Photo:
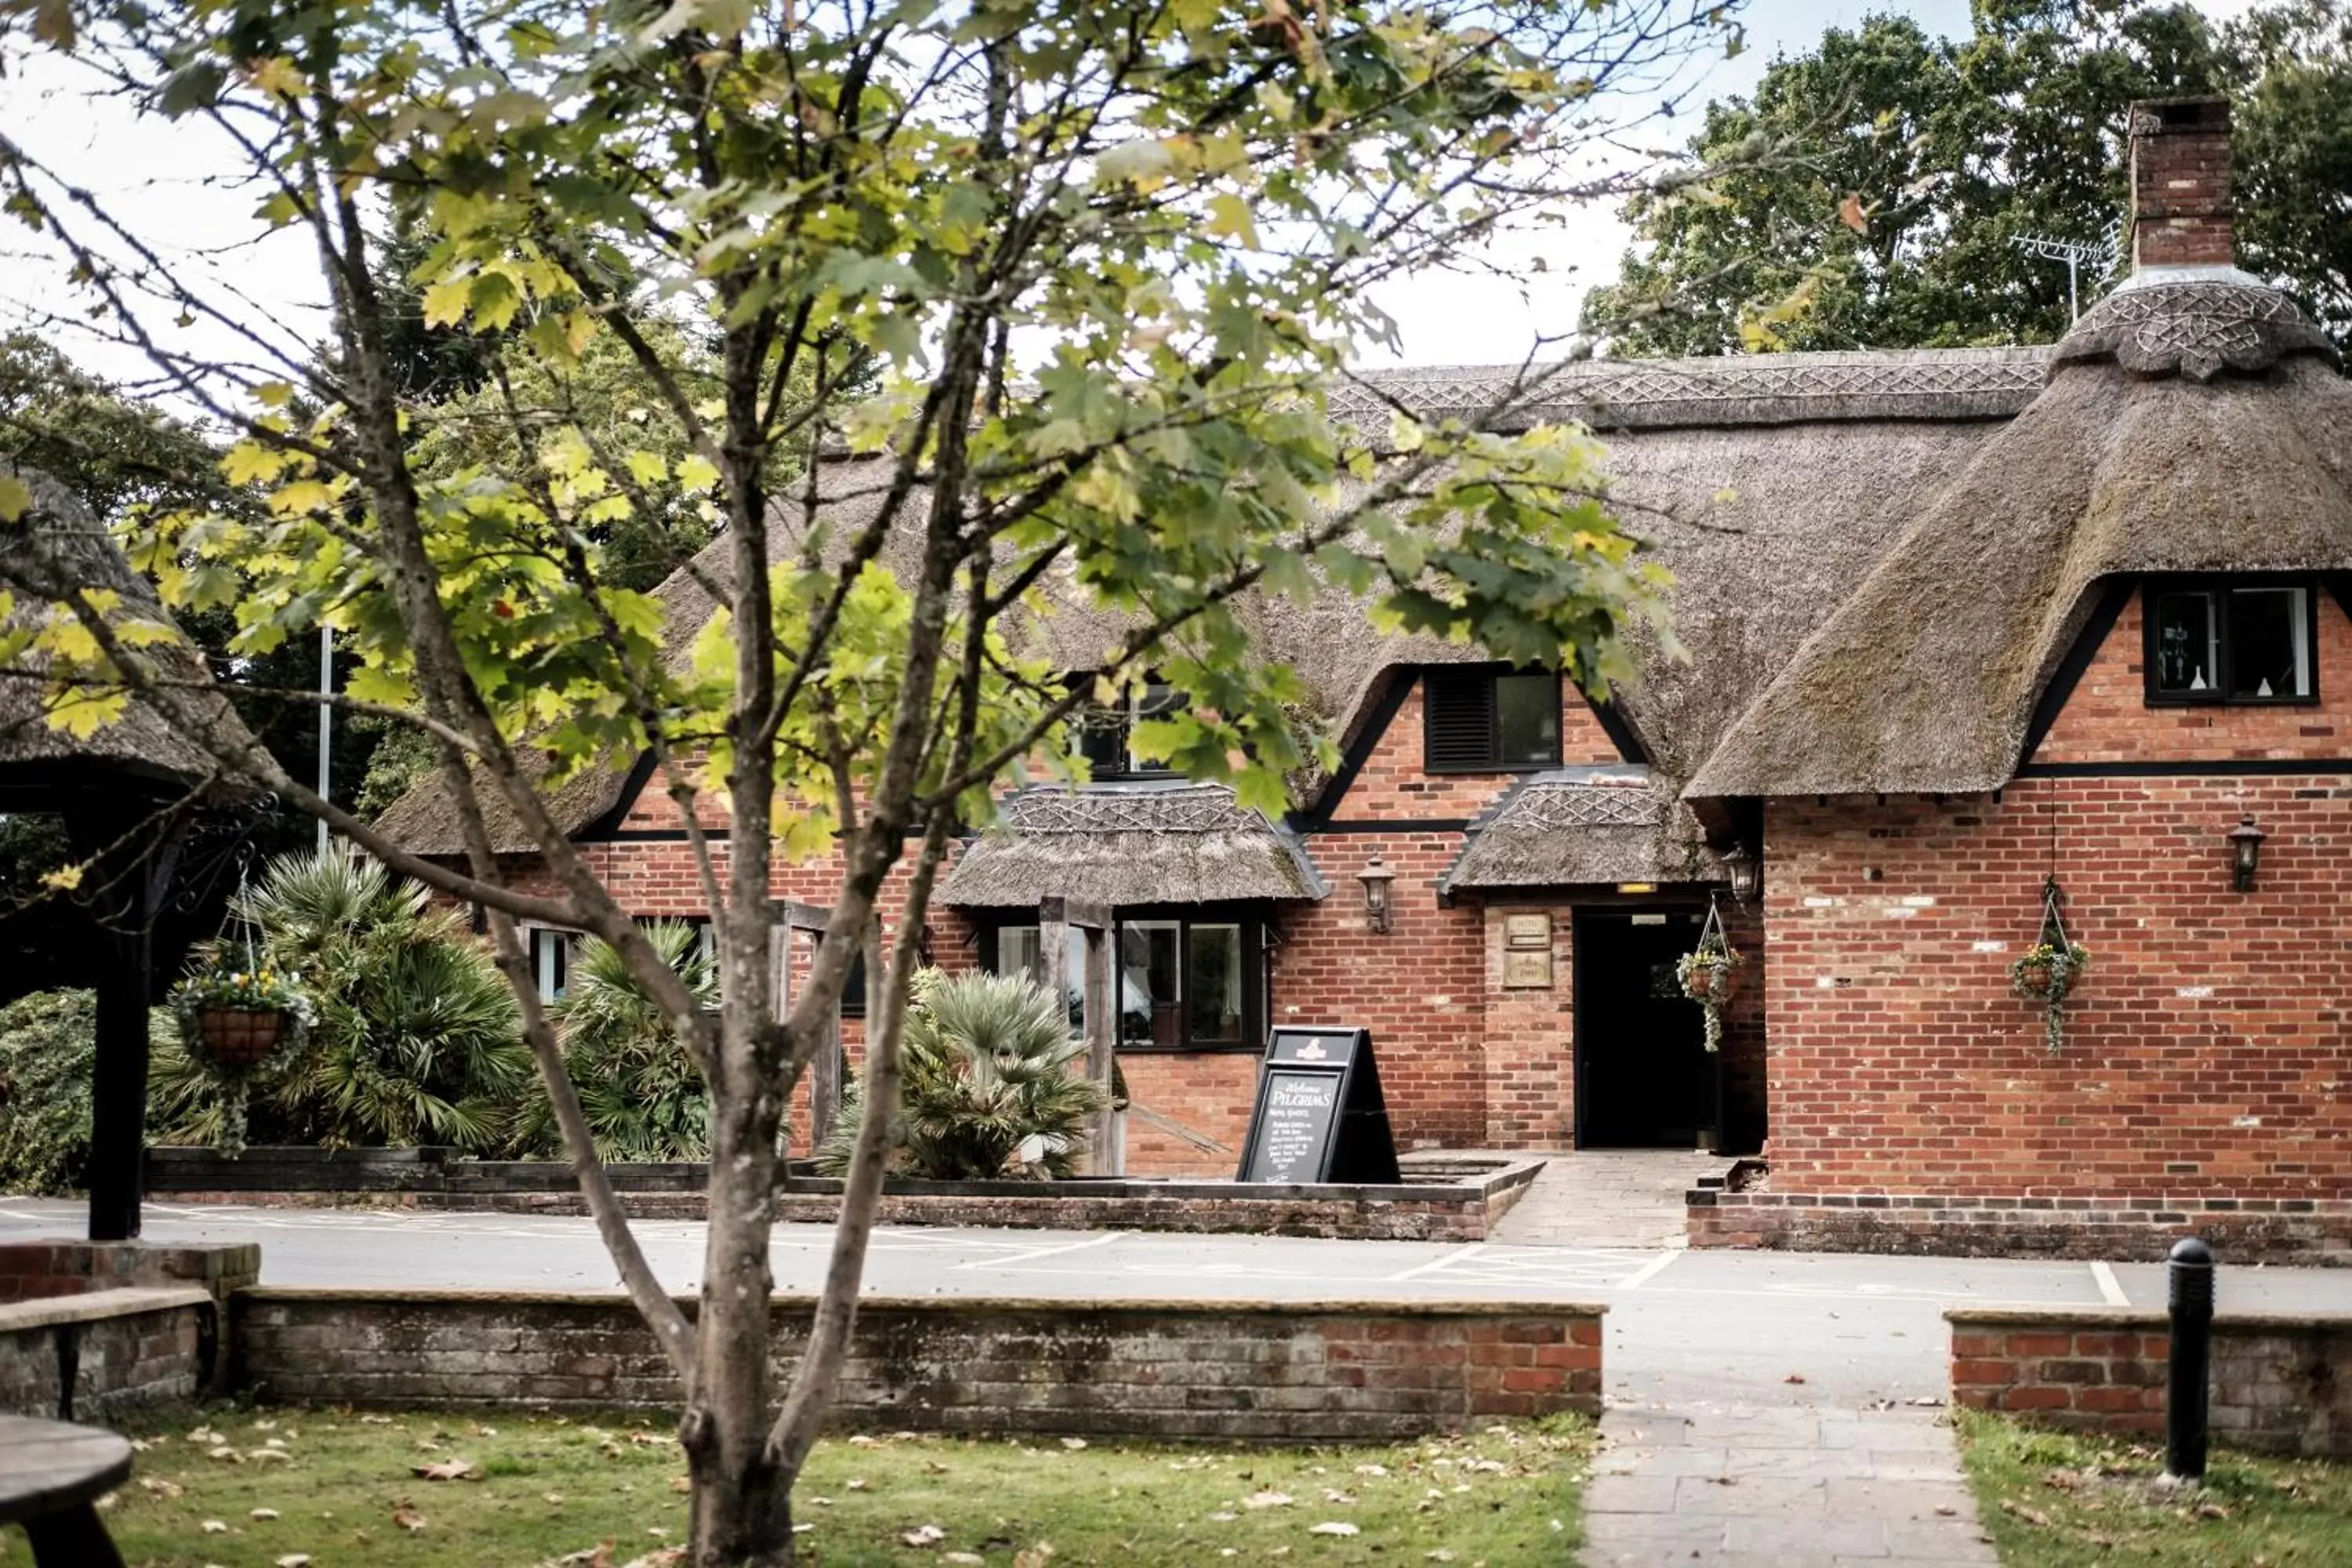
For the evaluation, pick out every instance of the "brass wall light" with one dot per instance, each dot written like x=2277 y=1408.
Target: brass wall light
x=2246 y=853
x=1376 y=876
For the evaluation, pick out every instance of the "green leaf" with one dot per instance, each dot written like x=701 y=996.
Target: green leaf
x=16 y=498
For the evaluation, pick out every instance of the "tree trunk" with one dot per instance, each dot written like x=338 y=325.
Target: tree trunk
x=742 y=1508
x=741 y=1514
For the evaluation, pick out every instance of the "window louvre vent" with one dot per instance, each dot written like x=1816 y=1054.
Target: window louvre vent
x=1460 y=721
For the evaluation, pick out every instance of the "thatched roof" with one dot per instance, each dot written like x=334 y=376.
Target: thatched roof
x=1768 y=486
x=1679 y=394
x=2186 y=427
x=1130 y=844
x=1577 y=826
x=59 y=546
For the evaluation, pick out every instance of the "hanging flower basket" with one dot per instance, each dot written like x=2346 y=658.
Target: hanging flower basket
x=2046 y=971
x=233 y=1021
x=1707 y=973
x=238 y=1018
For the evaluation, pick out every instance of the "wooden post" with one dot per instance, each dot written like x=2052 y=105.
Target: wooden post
x=132 y=891
x=1098 y=996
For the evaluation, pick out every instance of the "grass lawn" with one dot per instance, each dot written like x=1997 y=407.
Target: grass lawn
x=247 y=1488
x=2052 y=1502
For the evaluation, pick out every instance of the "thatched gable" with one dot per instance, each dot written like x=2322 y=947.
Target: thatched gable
x=59 y=546
x=1579 y=826
x=1132 y=844
x=1926 y=679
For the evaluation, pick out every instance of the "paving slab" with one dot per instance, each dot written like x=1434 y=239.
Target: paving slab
x=1606 y=1198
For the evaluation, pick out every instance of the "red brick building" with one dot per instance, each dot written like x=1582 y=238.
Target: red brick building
x=1961 y=626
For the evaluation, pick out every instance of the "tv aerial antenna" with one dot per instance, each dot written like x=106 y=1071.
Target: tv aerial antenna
x=2100 y=255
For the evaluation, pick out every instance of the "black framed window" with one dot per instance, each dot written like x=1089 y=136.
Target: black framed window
x=1105 y=735
x=1185 y=982
x=551 y=960
x=1490 y=720
x=2246 y=643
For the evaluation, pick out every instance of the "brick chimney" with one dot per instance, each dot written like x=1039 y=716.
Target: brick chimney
x=2180 y=183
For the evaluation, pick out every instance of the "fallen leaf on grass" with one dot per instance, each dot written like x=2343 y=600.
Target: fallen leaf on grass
x=262 y=1456
x=1267 y=1500
x=295 y=1560
x=447 y=1470
x=1332 y=1527
x=1073 y=1442
x=2030 y=1515
x=681 y=1483
x=407 y=1517
x=922 y=1535
x=214 y=1527
x=965 y=1559
x=2211 y=1511
x=1036 y=1556
x=264 y=1513
x=856 y=1483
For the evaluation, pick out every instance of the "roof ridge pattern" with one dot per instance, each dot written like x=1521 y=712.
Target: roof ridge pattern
x=1748 y=389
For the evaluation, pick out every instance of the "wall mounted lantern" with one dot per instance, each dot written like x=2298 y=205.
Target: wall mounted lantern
x=1746 y=872
x=2246 y=853
x=1376 y=878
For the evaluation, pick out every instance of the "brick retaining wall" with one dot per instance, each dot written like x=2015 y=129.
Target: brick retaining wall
x=84 y=1357
x=1442 y=1200
x=33 y=1270
x=2249 y=1230
x=2280 y=1383
x=1288 y=1372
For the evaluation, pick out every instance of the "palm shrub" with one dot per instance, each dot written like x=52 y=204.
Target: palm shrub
x=644 y=1098
x=418 y=1039
x=988 y=1065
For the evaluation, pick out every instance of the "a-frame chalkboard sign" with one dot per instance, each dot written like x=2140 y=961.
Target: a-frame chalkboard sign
x=1319 y=1115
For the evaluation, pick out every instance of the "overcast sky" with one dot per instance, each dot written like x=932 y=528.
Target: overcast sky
x=176 y=179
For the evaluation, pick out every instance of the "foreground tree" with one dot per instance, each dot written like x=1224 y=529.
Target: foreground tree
x=1926 y=158
x=840 y=224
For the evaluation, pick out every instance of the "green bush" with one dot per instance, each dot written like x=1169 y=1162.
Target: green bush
x=417 y=1037
x=644 y=1097
x=49 y=1044
x=987 y=1065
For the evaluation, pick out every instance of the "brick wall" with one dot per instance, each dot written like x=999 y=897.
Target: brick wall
x=2205 y=1050
x=2304 y=1231
x=1209 y=1094
x=33 y=1270
x=85 y=1357
x=2279 y=1384
x=1176 y=1368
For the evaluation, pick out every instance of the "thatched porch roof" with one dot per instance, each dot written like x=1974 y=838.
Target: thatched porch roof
x=2187 y=427
x=1579 y=826
x=1126 y=844
x=59 y=546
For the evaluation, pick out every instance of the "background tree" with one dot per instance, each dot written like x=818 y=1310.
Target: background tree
x=1173 y=215
x=1923 y=159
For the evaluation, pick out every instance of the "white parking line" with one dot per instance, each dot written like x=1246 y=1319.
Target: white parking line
x=1647 y=1272
x=1035 y=1253
x=2109 y=1290
x=1459 y=1255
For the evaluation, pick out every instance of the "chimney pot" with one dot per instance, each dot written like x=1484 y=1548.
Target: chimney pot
x=2180 y=183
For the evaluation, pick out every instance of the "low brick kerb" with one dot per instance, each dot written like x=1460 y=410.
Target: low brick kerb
x=1289 y=1372
x=2282 y=1383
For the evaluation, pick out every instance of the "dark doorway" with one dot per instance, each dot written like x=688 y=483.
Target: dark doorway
x=1643 y=1077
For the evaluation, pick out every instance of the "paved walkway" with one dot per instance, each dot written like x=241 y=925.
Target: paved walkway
x=1606 y=1198
x=1731 y=1484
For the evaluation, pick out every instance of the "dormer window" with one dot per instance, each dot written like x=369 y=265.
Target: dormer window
x=1493 y=719
x=2231 y=643
x=1104 y=736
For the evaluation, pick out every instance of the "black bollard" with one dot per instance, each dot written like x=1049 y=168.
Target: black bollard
x=2191 y=1300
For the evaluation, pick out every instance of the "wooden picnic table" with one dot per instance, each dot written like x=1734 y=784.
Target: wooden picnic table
x=51 y=1476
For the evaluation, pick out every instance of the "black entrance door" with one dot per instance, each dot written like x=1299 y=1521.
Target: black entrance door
x=1643 y=1078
